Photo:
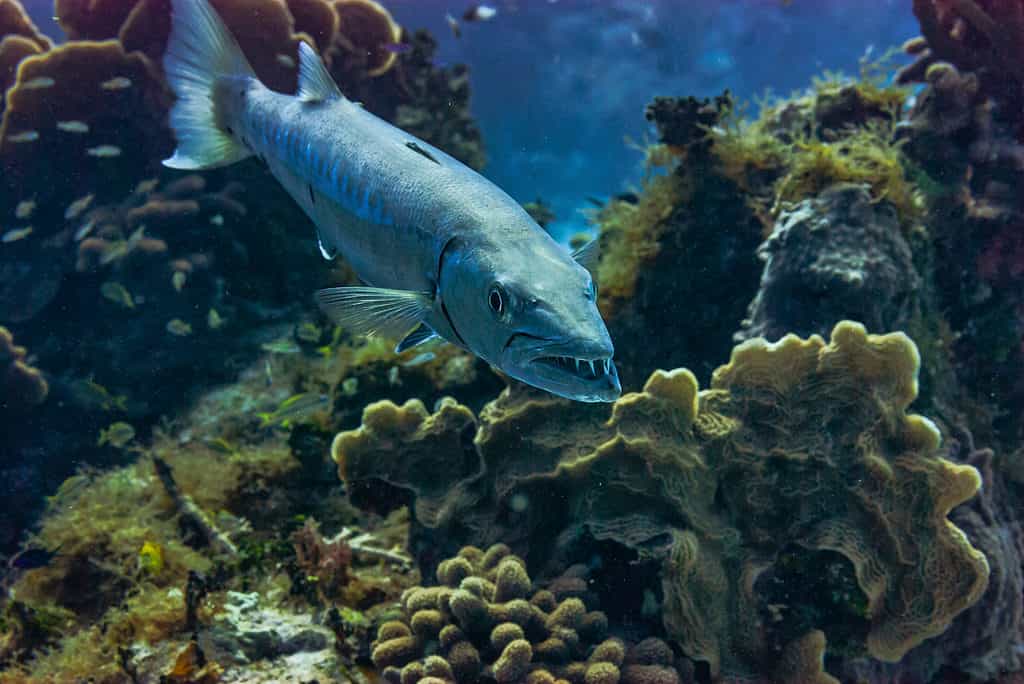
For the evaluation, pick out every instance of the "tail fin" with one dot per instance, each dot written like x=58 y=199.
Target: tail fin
x=200 y=51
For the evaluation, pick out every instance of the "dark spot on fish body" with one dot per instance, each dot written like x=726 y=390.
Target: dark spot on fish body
x=312 y=195
x=412 y=145
x=230 y=130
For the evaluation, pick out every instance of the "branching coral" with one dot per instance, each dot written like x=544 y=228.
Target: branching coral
x=796 y=444
x=981 y=36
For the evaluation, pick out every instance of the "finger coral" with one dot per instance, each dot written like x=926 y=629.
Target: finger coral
x=21 y=385
x=486 y=621
x=798 y=463
x=982 y=36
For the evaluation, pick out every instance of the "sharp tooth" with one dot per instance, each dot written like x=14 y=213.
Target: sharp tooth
x=607 y=363
x=592 y=371
x=577 y=365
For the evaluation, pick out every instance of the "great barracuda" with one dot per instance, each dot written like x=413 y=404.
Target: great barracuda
x=441 y=250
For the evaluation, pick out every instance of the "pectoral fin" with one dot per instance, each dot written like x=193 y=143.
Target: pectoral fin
x=588 y=255
x=417 y=336
x=375 y=310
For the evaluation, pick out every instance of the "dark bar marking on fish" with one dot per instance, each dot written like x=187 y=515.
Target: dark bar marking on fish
x=416 y=148
x=230 y=130
x=312 y=197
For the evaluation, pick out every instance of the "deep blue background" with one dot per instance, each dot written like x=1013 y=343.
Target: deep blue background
x=559 y=85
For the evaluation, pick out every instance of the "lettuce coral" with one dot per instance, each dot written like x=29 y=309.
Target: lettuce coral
x=799 y=461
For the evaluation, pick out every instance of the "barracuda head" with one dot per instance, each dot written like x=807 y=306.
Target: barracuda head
x=533 y=314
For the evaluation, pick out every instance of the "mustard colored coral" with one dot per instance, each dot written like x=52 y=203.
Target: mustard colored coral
x=486 y=622
x=797 y=473
x=21 y=385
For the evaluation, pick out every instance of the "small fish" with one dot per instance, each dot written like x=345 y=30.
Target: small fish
x=268 y=373
x=73 y=126
x=24 y=209
x=221 y=446
x=309 y=332
x=103 y=151
x=178 y=280
x=281 y=347
x=453 y=24
x=146 y=186
x=89 y=393
x=151 y=558
x=397 y=48
x=24 y=137
x=294 y=407
x=479 y=13
x=178 y=327
x=214 y=321
x=350 y=386
x=85 y=229
x=117 y=293
x=139 y=233
x=117 y=83
x=420 y=359
x=393 y=377
x=217 y=220
x=114 y=251
x=30 y=559
x=16 y=234
x=116 y=435
x=285 y=60
x=38 y=83
x=75 y=209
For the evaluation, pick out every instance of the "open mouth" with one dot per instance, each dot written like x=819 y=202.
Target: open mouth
x=587 y=369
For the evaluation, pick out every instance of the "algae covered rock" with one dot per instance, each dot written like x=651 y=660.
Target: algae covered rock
x=836 y=256
x=796 y=494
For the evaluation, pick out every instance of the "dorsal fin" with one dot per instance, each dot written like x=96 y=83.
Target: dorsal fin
x=588 y=255
x=315 y=83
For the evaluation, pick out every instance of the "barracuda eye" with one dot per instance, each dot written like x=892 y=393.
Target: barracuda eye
x=496 y=300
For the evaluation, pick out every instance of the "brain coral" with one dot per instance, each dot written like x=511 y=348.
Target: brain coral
x=796 y=494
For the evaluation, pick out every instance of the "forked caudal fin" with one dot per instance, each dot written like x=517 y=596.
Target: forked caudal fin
x=200 y=52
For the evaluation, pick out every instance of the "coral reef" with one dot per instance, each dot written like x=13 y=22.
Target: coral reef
x=726 y=489
x=985 y=37
x=716 y=185
x=675 y=225
x=968 y=153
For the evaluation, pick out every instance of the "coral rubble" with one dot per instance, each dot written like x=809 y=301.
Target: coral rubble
x=728 y=490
